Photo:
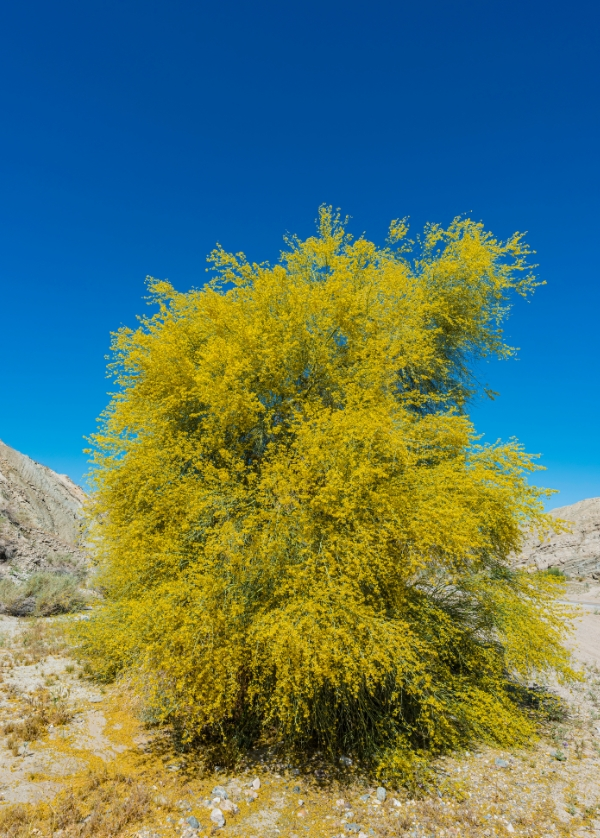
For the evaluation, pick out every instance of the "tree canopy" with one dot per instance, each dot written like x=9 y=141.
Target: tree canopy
x=299 y=534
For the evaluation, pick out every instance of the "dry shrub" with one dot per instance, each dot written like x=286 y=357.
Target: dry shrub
x=44 y=709
x=18 y=821
x=105 y=805
x=41 y=595
x=102 y=808
x=38 y=640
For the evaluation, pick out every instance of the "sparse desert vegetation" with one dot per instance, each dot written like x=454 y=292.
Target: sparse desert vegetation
x=80 y=762
x=42 y=594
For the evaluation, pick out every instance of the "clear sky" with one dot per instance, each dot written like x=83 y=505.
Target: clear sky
x=134 y=135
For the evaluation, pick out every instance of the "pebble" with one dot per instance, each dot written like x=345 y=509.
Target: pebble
x=501 y=763
x=160 y=800
x=345 y=760
x=229 y=806
x=352 y=827
x=193 y=822
x=220 y=791
x=217 y=817
x=381 y=794
x=255 y=784
x=296 y=789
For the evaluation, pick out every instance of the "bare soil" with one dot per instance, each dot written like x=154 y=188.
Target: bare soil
x=76 y=761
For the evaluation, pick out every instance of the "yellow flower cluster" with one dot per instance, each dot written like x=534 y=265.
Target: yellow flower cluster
x=297 y=531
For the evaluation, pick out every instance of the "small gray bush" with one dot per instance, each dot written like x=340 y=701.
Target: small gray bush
x=42 y=595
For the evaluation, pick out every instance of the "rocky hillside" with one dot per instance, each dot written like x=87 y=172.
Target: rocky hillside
x=40 y=513
x=576 y=553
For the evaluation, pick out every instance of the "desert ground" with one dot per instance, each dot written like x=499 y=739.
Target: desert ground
x=77 y=760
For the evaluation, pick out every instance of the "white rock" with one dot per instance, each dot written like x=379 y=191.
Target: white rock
x=255 y=784
x=217 y=817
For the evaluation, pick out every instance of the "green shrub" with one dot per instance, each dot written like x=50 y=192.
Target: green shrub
x=41 y=595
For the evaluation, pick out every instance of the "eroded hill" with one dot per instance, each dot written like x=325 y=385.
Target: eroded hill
x=40 y=516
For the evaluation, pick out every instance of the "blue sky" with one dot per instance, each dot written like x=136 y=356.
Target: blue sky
x=135 y=135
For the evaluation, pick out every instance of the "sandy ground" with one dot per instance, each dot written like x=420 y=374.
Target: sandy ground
x=587 y=639
x=550 y=789
x=587 y=593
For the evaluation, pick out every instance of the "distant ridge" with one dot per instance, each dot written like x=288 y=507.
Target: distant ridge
x=40 y=516
x=576 y=553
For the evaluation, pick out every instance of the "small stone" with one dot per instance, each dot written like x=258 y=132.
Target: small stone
x=301 y=813
x=352 y=827
x=364 y=797
x=220 y=791
x=362 y=835
x=345 y=760
x=217 y=817
x=501 y=763
x=396 y=802
x=193 y=822
x=296 y=789
x=301 y=803
x=510 y=827
x=229 y=806
x=251 y=795
x=381 y=794
x=255 y=784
